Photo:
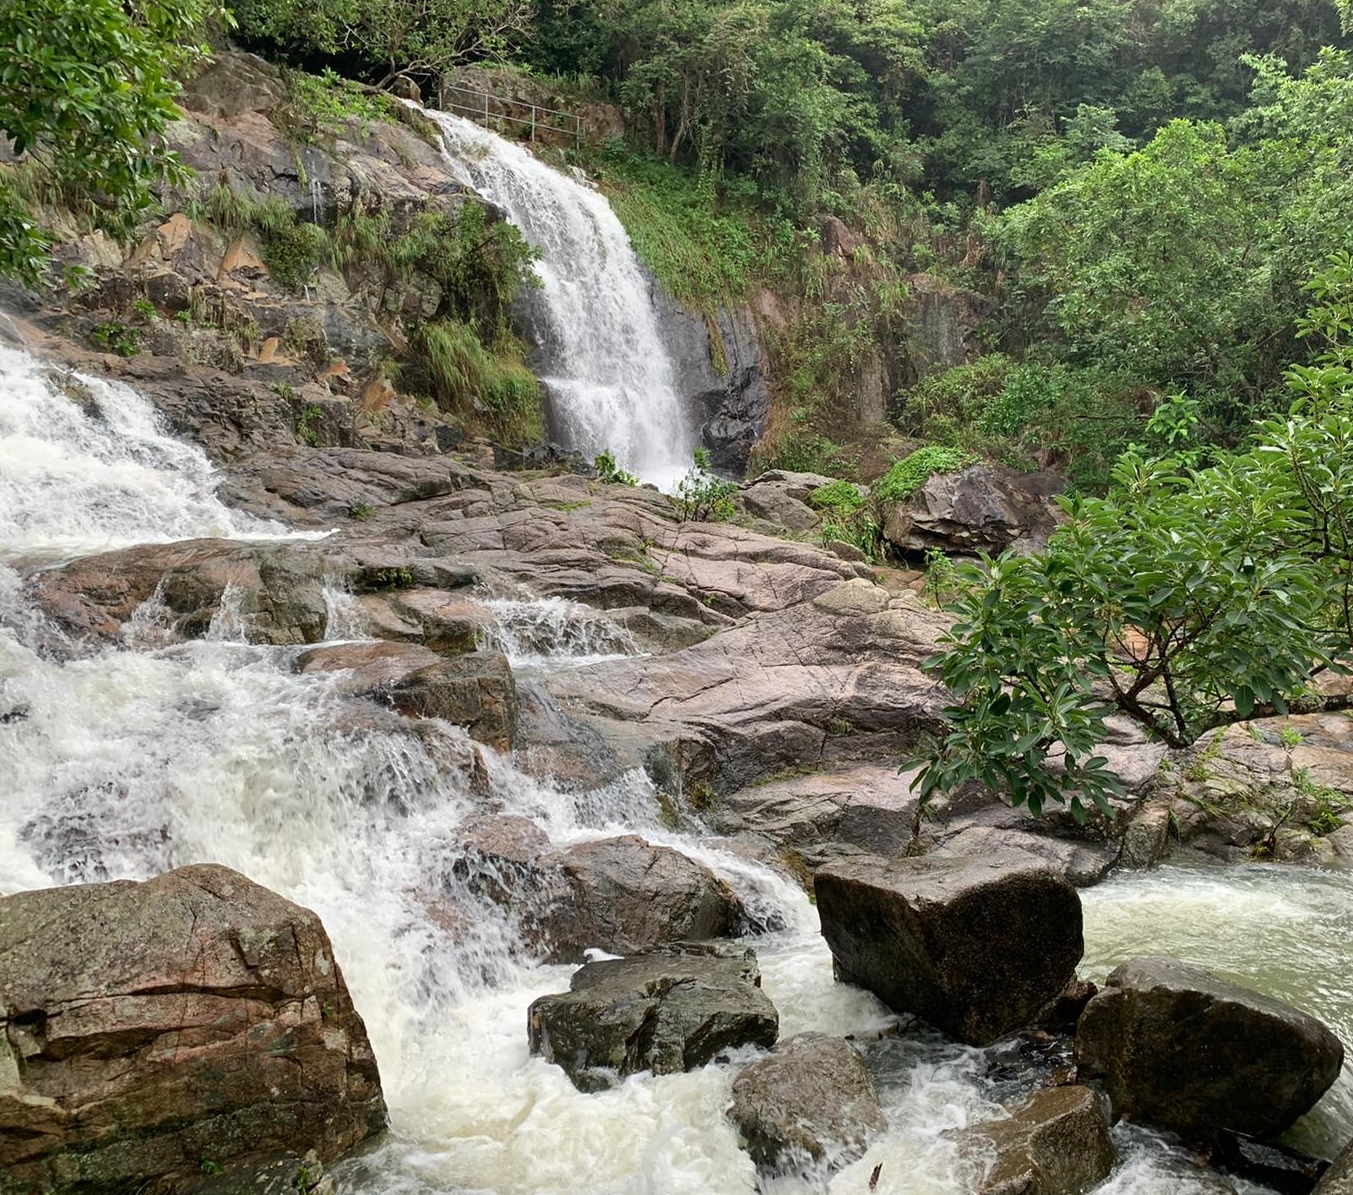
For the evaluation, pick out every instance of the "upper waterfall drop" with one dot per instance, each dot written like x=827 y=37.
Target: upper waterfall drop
x=609 y=374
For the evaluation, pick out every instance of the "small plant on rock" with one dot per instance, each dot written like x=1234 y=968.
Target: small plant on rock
x=609 y=471
x=701 y=495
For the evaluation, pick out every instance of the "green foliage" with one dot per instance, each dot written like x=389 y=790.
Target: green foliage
x=360 y=510
x=387 y=37
x=86 y=88
x=1187 y=600
x=324 y=104
x=847 y=516
x=307 y=424
x=701 y=495
x=291 y=249
x=116 y=338
x=497 y=392
x=943 y=582
x=910 y=473
x=609 y=471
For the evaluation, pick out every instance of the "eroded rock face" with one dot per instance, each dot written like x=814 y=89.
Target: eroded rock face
x=1057 y=1143
x=668 y=1009
x=1179 y=1047
x=812 y=1101
x=979 y=508
x=975 y=946
x=149 y=1026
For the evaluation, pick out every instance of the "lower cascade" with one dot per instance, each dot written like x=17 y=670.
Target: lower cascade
x=611 y=381
x=149 y=754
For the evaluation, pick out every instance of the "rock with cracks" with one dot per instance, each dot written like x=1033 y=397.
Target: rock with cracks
x=1179 y=1047
x=668 y=1009
x=810 y=1104
x=975 y=946
x=1057 y=1143
x=149 y=1026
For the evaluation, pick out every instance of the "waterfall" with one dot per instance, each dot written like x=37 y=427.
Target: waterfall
x=611 y=380
x=124 y=763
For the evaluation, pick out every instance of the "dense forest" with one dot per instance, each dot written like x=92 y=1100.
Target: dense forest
x=1136 y=192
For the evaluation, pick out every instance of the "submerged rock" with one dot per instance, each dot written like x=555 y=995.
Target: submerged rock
x=1181 y=1048
x=976 y=946
x=669 y=1009
x=1057 y=1143
x=810 y=1102
x=147 y=1027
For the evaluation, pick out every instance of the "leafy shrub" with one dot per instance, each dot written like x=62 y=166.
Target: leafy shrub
x=701 y=495
x=609 y=471
x=910 y=473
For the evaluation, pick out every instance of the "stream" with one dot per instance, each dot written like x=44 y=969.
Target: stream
x=150 y=755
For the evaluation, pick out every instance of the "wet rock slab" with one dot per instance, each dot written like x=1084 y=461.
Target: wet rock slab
x=1181 y=1048
x=975 y=946
x=810 y=1102
x=665 y=1010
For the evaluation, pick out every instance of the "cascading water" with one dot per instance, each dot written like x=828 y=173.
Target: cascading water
x=610 y=377
x=127 y=762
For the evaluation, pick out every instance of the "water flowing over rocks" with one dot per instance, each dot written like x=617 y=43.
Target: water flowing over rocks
x=977 y=947
x=1179 y=1047
x=810 y=1105
x=1056 y=1143
x=150 y=1026
x=668 y=1009
x=619 y=895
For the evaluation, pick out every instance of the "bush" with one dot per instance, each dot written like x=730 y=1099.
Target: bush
x=701 y=495
x=910 y=473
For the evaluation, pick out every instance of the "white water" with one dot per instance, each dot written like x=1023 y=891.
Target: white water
x=610 y=377
x=125 y=763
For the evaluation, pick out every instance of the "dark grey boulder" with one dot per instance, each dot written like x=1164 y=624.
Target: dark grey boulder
x=975 y=946
x=811 y=1102
x=668 y=1009
x=1181 y=1048
x=1057 y=1143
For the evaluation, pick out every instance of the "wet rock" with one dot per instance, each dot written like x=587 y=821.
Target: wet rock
x=979 y=508
x=626 y=894
x=1338 y=1179
x=149 y=1026
x=620 y=895
x=1057 y=1143
x=668 y=1009
x=276 y=591
x=268 y=1174
x=976 y=947
x=811 y=1101
x=1146 y=837
x=1275 y=1166
x=1180 y=1048
x=1084 y=864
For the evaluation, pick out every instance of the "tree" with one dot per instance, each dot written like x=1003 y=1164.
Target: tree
x=86 y=89
x=396 y=37
x=1185 y=600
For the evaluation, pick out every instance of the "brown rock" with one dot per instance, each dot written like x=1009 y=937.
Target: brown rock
x=811 y=1101
x=1057 y=1143
x=149 y=1026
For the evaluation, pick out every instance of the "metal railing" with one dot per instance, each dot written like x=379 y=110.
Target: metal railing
x=495 y=112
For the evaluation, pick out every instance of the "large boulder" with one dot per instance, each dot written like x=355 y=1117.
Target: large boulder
x=620 y=895
x=981 y=507
x=1056 y=1143
x=810 y=1102
x=669 y=1009
x=147 y=1027
x=1179 y=1047
x=976 y=946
